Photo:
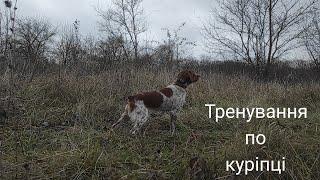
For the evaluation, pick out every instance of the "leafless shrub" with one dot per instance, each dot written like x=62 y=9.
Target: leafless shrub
x=174 y=46
x=32 y=41
x=111 y=49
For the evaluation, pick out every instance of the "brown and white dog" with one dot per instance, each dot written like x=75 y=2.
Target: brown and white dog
x=169 y=100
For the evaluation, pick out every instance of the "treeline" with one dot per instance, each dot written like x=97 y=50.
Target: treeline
x=260 y=34
x=31 y=45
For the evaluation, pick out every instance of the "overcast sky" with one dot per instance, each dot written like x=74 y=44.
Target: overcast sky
x=159 y=14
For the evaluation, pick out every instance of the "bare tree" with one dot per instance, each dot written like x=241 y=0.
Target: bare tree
x=32 y=40
x=311 y=39
x=8 y=26
x=124 y=19
x=257 y=31
x=68 y=47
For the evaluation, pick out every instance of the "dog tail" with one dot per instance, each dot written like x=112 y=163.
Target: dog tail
x=123 y=115
x=131 y=103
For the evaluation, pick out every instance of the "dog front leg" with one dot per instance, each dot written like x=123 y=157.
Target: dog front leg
x=173 y=119
x=135 y=129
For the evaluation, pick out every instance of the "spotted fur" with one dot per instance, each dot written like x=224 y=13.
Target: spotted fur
x=168 y=100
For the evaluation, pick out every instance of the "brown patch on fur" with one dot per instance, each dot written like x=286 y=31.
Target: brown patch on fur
x=150 y=99
x=167 y=92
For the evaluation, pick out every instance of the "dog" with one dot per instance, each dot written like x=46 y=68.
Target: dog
x=168 y=100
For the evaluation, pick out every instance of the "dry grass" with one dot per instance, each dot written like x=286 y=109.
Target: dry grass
x=63 y=131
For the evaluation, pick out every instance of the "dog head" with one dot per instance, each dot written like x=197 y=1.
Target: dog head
x=186 y=77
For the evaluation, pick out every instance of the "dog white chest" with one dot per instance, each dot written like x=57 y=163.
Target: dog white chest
x=176 y=101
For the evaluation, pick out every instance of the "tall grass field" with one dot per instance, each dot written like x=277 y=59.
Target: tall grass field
x=59 y=127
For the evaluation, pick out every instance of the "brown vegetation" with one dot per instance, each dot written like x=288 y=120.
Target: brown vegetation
x=65 y=129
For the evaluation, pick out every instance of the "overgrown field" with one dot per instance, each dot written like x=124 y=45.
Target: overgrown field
x=60 y=128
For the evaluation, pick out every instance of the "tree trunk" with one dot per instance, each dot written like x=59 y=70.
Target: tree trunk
x=269 y=60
